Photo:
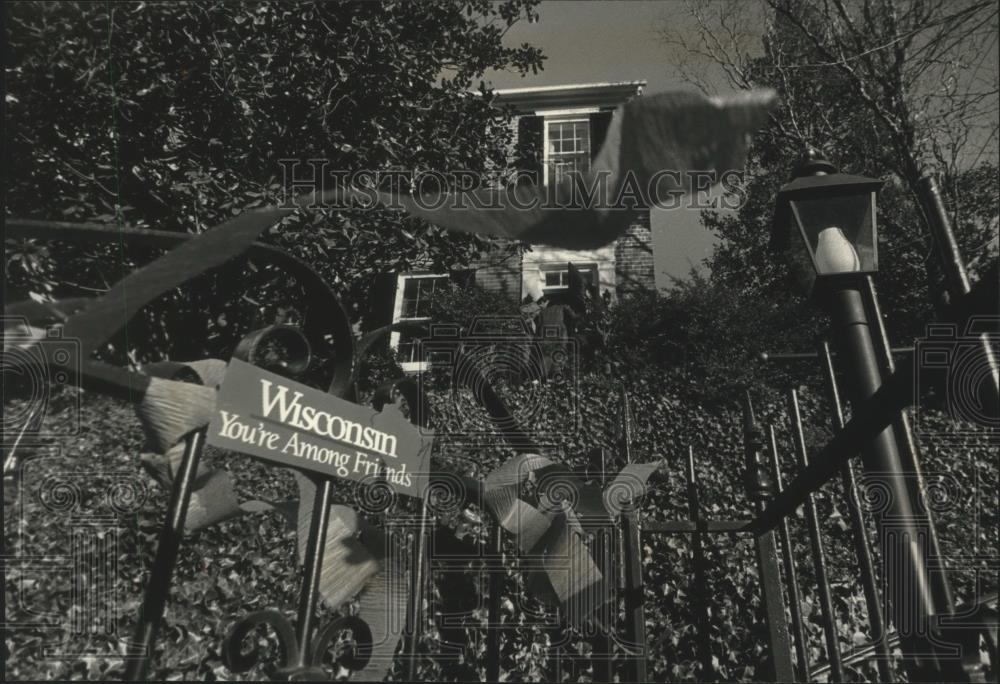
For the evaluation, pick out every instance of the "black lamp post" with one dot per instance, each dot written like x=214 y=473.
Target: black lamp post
x=825 y=224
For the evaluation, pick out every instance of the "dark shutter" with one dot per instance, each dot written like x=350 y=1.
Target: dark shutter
x=575 y=282
x=579 y=290
x=598 y=131
x=381 y=299
x=529 y=155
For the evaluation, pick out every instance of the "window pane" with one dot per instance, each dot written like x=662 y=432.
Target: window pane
x=569 y=149
x=410 y=288
x=417 y=293
x=409 y=349
x=556 y=281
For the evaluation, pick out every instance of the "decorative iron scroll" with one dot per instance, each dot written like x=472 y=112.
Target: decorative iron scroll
x=305 y=661
x=176 y=400
x=96 y=321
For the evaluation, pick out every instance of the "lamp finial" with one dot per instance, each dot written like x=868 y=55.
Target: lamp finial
x=814 y=164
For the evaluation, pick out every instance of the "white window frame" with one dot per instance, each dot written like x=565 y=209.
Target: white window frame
x=397 y=311
x=544 y=269
x=561 y=116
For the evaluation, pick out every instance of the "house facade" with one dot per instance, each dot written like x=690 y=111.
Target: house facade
x=564 y=126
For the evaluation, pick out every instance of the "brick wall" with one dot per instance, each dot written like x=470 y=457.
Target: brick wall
x=634 y=258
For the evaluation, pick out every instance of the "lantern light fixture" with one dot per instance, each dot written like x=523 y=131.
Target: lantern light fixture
x=824 y=222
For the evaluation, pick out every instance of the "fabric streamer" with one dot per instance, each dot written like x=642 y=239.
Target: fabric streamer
x=360 y=557
x=647 y=135
x=92 y=322
x=554 y=530
x=173 y=407
x=174 y=399
x=99 y=320
x=653 y=145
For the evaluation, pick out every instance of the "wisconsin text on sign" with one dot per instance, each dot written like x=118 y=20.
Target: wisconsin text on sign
x=268 y=416
x=321 y=422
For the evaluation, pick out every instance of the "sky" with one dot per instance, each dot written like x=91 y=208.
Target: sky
x=619 y=40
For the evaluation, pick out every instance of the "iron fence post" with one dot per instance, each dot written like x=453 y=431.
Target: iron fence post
x=415 y=602
x=902 y=536
x=601 y=653
x=168 y=546
x=698 y=560
x=558 y=657
x=604 y=543
x=816 y=542
x=635 y=612
x=309 y=595
x=876 y=619
x=791 y=576
x=493 y=612
x=909 y=455
x=759 y=488
x=954 y=270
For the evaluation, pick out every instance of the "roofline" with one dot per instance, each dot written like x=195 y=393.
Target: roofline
x=570 y=86
x=599 y=94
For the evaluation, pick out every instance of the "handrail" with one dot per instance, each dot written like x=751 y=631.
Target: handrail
x=867 y=652
x=874 y=415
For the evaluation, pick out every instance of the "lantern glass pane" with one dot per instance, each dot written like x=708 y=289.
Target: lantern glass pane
x=829 y=224
x=799 y=260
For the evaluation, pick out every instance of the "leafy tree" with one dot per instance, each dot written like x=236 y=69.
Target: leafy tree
x=859 y=81
x=917 y=75
x=179 y=116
